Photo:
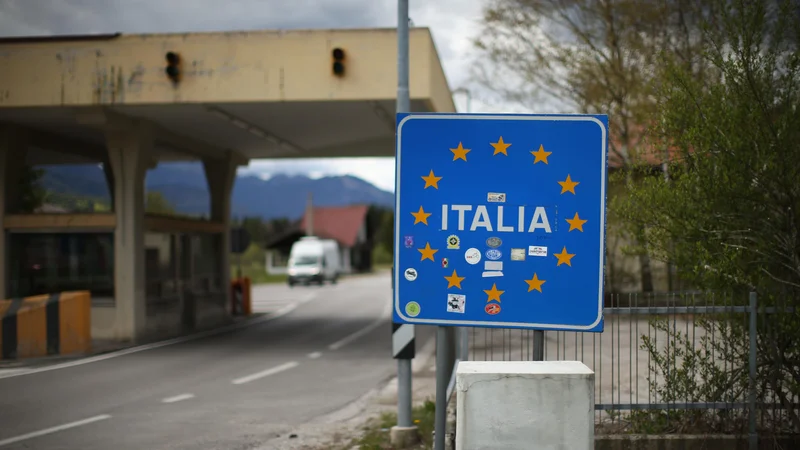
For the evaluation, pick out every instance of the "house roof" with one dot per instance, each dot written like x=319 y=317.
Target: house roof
x=341 y=223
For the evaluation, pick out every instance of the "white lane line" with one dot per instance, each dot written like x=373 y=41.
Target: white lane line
x=266 y=373
x=341 y=343
x=278 y=314
x=315 y=355
x=66 y=426
x=177 y=398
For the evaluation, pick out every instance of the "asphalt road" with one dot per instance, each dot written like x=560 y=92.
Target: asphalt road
x=329 y=346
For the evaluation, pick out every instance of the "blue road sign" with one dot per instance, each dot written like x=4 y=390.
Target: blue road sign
x=500 y=220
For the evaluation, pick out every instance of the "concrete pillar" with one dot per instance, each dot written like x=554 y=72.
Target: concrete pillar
x=530 y=405
x=4 y=153
x=221 y=174
x=13 y=151
x=130 y=154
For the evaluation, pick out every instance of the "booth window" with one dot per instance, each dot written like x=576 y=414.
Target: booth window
x=44 y=263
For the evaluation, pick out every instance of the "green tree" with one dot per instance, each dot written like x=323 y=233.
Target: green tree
x=257 y=229
x=156 y=203
x=730 y=214
x=386 y=232
x=277 y=226
x=32 y=195
x=589 y=56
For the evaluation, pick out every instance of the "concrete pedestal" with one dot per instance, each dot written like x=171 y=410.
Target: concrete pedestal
x=403 y=437
x=516 y=405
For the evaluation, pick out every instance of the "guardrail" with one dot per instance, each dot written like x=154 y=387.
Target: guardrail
x=42 y=325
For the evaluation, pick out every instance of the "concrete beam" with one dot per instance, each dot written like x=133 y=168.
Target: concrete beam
x=109 y=119
x=250 y=66
x=369 y=147
x=64 y=144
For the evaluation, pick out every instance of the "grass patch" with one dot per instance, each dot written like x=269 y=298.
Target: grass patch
x=376 y=432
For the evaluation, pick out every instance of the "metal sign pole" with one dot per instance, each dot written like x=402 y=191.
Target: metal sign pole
x=442 y=379
x=403 y=105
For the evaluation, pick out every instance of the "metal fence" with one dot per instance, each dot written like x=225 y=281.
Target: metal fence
x=676 y=363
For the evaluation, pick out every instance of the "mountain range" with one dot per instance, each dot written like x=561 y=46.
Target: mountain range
x=183 y=185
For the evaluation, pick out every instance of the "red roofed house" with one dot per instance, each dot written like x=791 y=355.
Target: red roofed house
x=347 y=225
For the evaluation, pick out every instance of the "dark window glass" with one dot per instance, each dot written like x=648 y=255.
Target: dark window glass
x=44 y=263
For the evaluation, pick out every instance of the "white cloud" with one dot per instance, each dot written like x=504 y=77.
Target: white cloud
x=378 y=171
x=454 y=23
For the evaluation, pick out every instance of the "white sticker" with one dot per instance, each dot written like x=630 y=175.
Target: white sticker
x=491 y=274
x=411 y=274
x=494 y=254
x=535 y=250
x=518 y=254
x=496 y=197
x=473 y=255
x=456 y=303
x=493 y=265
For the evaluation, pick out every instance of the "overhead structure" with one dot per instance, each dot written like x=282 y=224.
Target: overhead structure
x=123 y=103
x=261 y=94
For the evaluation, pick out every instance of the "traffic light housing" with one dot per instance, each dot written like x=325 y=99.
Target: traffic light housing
x=338 y=62
x=173 y=69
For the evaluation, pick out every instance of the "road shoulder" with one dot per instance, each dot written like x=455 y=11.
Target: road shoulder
x=102 y=350
x=339 y=427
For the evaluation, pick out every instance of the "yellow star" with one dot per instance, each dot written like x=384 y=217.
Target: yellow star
x=535 y=283
x=576 y=223
x=454 y=280
x=568 y=185
x=431 y=180
x=540 y=155
x=427 y=252
x=460 y=152
x=564 y=257
x=500 y=146
x=493 y=293
x=421 y=216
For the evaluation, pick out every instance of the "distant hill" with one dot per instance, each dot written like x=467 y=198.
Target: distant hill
x=183 y=185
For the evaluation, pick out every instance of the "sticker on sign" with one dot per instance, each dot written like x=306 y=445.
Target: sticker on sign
x=535 y=250
x=496 y=197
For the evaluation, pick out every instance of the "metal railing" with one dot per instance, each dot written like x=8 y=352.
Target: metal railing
x=677 y=363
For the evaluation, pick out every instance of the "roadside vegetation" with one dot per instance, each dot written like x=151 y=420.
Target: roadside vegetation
x=702 y=99
x=253 y=260
x=375 y=433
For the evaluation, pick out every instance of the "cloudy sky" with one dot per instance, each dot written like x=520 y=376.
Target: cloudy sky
x=452 y=22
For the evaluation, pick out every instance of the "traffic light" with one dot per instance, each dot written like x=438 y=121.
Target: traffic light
x=338 y=62
x=173 y=69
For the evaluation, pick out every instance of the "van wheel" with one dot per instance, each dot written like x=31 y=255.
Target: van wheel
x=335 y=279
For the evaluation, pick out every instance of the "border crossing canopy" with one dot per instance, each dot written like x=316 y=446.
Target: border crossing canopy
x=500 y=220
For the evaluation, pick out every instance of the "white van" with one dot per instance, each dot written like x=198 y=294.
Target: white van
x=314 y=260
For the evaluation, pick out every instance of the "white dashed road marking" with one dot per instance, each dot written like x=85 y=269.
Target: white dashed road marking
x=46 y=431
x=266 y=373
x=177 y=398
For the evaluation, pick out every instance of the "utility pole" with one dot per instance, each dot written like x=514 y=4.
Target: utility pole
x=404 y=432
x=310 y=215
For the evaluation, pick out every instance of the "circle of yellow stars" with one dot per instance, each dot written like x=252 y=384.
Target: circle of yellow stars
x=500 y=147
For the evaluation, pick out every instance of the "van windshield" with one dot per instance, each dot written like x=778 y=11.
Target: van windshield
x=306 y=260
